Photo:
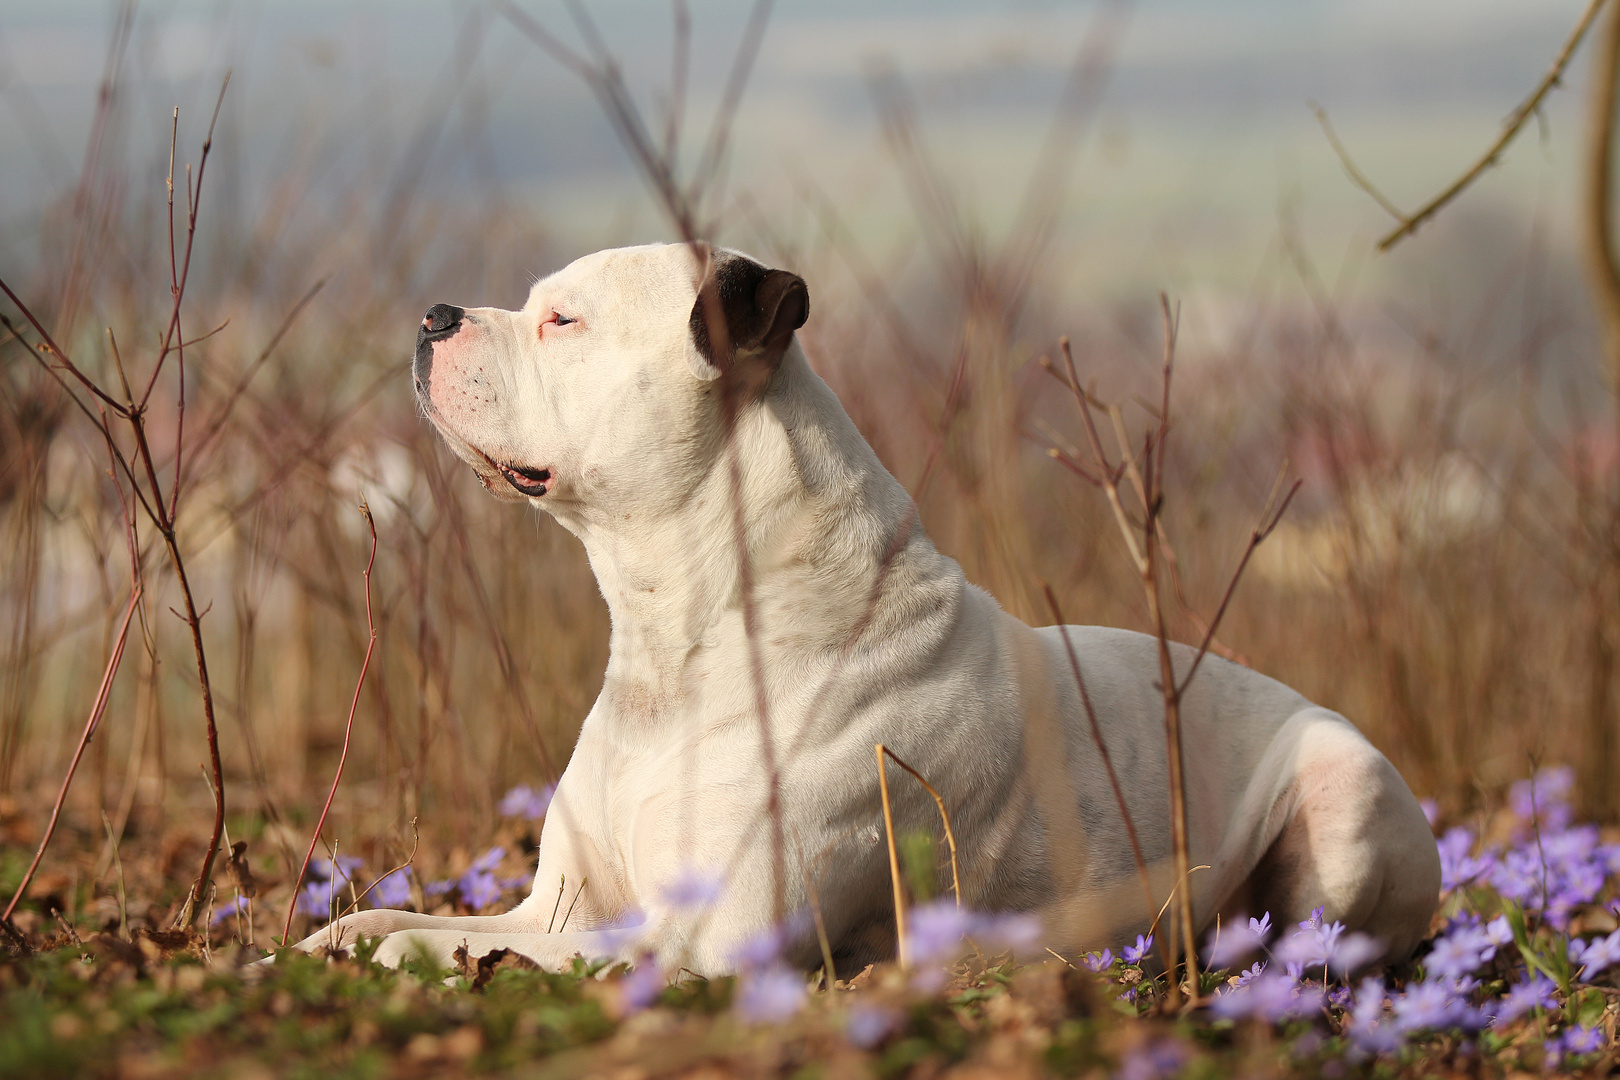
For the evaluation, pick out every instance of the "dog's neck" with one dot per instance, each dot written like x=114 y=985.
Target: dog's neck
x=823 y=519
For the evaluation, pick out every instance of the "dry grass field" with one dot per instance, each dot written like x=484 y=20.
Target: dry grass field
x=1448 y=577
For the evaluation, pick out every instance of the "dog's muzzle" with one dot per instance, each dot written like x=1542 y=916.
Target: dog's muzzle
x=441 y=322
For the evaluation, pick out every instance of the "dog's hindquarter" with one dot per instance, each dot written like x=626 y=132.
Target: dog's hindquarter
x=1288 y=805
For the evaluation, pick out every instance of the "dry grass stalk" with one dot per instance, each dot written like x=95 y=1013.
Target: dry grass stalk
x=901 y=953
x=348 y=732
x=944 y=817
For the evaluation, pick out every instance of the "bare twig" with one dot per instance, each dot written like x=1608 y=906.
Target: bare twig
x=562 y=883
x=1102 y=745
x=1357 y=177
x=570 y=912
x=1530 y=106
x=416 y=840
x=1269 y=519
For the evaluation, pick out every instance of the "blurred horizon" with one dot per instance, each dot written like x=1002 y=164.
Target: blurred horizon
x=1202 y=144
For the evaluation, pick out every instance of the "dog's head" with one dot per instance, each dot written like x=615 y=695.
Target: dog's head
x=607 y=386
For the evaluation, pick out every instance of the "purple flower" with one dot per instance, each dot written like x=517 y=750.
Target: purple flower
x=1317 y=944
x=1433 y=1005
x=1431 y=810
x=342 y=871
x=1270 y=997
x=1252 y=974
x=693 y=890
x=1133 y=954
x=1456 y=955
x=935 y=931
x=479 y=890
x=525 y=802
x=1153 y=1060
x=1369 y=1032
x=761 y=950
x=1236 y=942
x=1352 y=952
x=1534 y=993
x=393 y=889
x=438 y=888
x=1458 y=866
x=1016 y=932
x=1596 y=955
x=317 y=898
x=237 y=906
x=1583 y=1040
x=771 y=995
x=1544 y=798
x=640 y=988
x=869 y=1025
x=1261 y=927
x=1574 y=1040
x=479 y=887
x=1099 y=962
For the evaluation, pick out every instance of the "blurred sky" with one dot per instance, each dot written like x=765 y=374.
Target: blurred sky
x=1204 y=142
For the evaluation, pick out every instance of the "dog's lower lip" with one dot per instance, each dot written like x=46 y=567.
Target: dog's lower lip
x=531 y=482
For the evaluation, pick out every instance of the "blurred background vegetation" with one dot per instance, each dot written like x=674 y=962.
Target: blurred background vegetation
x=960 y=183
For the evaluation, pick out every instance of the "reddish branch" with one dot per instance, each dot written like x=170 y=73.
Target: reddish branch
x=141 y=472
x=1147 y=542
x=90 y=726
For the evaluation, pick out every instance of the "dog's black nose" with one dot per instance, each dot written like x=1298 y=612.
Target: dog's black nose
x=441 y=320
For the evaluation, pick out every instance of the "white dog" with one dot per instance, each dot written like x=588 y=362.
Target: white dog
x=733 y=738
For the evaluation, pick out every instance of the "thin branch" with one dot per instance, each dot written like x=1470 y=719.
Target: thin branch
x=56 y=351
x=1268 y=524
x=90 y=726
x=570 y=912
x=1102 y=746
x=1357 y=177
x=1515 y=122
x=416 y=840
x=742 y=65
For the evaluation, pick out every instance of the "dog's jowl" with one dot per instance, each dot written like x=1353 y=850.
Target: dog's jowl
x=638 y=397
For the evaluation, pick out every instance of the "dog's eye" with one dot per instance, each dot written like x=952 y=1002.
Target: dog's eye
x=563 y=320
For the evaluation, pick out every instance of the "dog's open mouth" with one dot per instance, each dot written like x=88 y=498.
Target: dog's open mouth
x=530 y=482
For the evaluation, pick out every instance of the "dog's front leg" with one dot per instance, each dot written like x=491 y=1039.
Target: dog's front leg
x=553 y=952
x=384 y=922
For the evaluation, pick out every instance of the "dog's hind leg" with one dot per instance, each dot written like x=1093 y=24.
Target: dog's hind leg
x=1354 y=843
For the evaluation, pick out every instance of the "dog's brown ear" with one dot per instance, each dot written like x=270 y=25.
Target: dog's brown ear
x=760 y=307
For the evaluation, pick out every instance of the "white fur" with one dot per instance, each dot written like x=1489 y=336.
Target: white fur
x=1289 y=804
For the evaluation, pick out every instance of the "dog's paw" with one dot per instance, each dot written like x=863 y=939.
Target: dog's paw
x=340 y=938
x=421 y=945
